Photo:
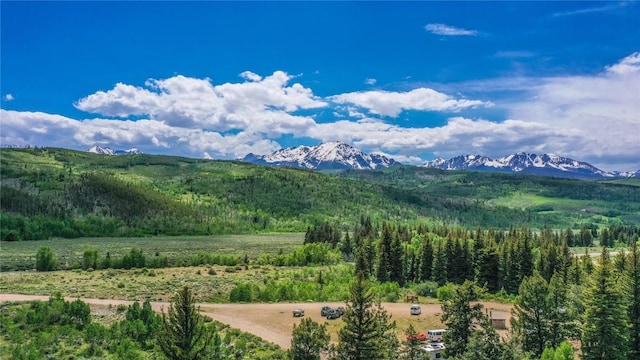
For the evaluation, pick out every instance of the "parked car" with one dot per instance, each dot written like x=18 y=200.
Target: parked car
x=421 y=337
x=324 y=310
x=435 y=335
x=434 y=350
x=298 y=312
x=416 y=310
x=333 y=314
x=341 y=310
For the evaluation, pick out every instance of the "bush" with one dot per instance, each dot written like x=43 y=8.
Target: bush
x=427 y=288
x=45 y=260
x=446 y=292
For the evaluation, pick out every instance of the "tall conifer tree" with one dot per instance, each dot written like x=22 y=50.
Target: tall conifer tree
x=531 y=324
x=367 y=333
x=426 y=259
x=184 y=335
x=605 y=330
x=309 y=341
x=633 y=278
x=459 y=316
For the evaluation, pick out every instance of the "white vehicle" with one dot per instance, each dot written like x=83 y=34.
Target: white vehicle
x=416 y=310
x=435 y=335
x=434 y=350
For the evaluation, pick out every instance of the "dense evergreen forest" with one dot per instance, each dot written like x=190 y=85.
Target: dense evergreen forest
x=51 y=192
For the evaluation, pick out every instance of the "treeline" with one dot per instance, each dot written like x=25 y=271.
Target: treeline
x=306 y=255
x=498 y=260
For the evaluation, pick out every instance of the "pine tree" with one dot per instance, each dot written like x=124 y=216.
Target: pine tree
x=459 y=316
x=452 y=263
x=411 y=347
x=484 y=343
x=439 y=271
x=309 y=340
x=633 y=289
x=605 y=330
x=569 y=237
x=530 y=322
x=561 y=319
x=383 y=269
x=362 y=261
x=367 y=333
x=566 y=257
x=347 y=247
x=396 y=261
x=549 y=260
x=184 y=335
x=426 y=260
x=525 y=257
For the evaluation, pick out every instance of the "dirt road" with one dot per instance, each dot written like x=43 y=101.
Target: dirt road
x=274 y=322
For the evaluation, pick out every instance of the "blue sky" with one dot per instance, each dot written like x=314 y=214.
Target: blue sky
x=413 y=80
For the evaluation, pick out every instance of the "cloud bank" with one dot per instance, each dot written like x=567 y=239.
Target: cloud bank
x=588 y=117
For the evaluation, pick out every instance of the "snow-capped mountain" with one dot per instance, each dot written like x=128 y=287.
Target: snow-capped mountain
x=330 y=155
x=109 y=151
x=545 y=164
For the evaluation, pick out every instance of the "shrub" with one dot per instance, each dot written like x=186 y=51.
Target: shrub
x=427 y=288
x=45 y=260
x=446 y=292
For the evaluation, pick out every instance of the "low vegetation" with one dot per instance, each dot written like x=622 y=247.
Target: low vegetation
x=61 y=329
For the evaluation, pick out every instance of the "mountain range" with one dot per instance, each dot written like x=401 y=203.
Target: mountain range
x=524 y=163
x=339 y=155
x=96 y=149
x=329 y=155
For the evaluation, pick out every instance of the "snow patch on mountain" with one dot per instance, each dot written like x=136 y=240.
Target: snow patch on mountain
x=96 y=149
x=329 y=155
x=521 y=162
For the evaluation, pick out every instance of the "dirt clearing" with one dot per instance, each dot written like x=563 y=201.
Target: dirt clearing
x=274 y=322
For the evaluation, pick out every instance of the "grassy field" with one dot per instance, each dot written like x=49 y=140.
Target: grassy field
x=574 y=212
x=21 y=254
x=135 y=284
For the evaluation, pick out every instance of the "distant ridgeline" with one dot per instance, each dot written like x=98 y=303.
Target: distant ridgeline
x=52 y=192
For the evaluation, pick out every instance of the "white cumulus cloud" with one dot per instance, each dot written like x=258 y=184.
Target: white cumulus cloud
x=36 y=128
x=602 y=109
x=388 y=103
x=446 y=30
x=196 y=103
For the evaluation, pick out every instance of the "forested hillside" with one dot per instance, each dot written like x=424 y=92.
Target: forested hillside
x=557 y=201
x=57 y=192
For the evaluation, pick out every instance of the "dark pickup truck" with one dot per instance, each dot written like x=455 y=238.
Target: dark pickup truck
x=332 y=313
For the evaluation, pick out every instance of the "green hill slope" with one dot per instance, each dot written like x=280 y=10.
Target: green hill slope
x=57 y=192
x=557 y=202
